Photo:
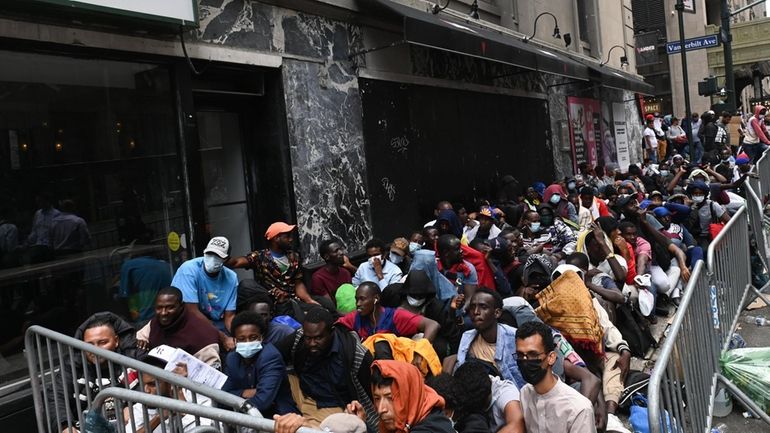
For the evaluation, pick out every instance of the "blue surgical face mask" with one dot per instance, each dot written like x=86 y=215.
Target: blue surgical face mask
x=395 y=258
x=213 y=264
x=664 y=173
x=248 y=350
x=555 y=199
x=534 y=227
x=414 y=247
x=571 y=185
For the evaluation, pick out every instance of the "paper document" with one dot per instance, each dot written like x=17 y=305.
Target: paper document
x=197 y=370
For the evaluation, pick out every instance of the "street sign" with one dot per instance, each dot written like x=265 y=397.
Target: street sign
x=692 y=44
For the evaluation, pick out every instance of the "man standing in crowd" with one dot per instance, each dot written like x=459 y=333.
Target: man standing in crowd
x=175 y=326
x=209 y=289
x=756 y=138
x=461 y=273
x=39 y=239
x=277 y=268
x=336 y=272
x=549 y=405
x=650 y=139
x=377 y=269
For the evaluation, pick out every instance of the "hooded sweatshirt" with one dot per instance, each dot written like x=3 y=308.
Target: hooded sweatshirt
x=564 y=208
x=756 y=131
x=417 y=406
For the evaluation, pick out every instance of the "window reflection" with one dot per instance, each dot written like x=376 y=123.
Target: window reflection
x=90 y=191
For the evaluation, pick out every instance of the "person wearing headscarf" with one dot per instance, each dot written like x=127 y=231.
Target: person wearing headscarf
x=556 y=196
x=403 y=401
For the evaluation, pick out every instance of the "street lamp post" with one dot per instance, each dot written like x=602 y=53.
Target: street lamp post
x=727 y=44
x=685 y=80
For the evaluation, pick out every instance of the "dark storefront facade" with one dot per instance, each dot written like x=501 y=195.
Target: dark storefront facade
x=280 y=117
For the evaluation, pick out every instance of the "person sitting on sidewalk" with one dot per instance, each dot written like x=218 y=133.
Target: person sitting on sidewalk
x=256 y=371
x=371 y=318
x=549 y=405
x=174 y=325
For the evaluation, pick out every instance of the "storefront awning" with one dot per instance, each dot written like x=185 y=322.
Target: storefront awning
x=443 y=33
x=610 y=77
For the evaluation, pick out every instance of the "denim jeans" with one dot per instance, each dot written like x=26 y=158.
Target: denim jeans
x=697 y=155
x=754 y=151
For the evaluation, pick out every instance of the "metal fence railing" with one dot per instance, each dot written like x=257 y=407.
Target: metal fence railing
x=729 y=266
x=684 y=382
x=69 y=378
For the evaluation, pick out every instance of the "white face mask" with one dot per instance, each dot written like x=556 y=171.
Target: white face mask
x=371 y=259
x=415 y=302
x=213 y=264
x=395 y=258
x=698 y=198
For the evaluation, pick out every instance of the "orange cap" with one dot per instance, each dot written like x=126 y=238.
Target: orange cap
x=277 y=228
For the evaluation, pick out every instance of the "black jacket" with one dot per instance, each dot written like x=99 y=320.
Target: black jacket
x=435 y=422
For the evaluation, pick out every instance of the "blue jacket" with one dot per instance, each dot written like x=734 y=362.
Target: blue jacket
x=267 y=373
x=504 y=351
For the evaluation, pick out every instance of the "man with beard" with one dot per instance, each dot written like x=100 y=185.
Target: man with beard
x=549 y=405
x=173 y=325
x=332 y=368
x=277 y=268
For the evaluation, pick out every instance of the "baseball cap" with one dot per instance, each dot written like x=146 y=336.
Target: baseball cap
x=218 y=245
x=400 y=246
x=343 y=423
x=656 y=193
x=487 y=212
x=661 y=211
x=650 y=117
x=277 y=228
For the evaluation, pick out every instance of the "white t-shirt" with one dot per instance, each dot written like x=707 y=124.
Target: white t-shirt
x=650 y=140
x=187 y=421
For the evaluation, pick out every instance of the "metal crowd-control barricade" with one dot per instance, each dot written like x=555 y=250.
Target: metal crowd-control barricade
x=684 y=382
x=59 y=366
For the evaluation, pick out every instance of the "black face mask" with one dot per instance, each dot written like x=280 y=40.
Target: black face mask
x=531 y=370
x=546 y=220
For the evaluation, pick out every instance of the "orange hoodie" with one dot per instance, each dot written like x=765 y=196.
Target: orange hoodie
x=412 y=399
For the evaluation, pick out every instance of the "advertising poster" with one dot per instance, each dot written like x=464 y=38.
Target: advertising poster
x=621 y=136
x=582 y=128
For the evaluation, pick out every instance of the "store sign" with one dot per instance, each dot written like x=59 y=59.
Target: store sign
x=621 y=136
x=179 y=12
x=647 y=49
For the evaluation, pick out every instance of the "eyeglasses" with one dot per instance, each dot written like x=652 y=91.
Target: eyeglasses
x=528 y=356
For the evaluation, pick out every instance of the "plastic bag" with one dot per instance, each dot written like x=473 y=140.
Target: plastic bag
x=749 y=369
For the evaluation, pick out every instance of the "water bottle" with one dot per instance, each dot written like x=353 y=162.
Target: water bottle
x=719 y=428
x=758 y=320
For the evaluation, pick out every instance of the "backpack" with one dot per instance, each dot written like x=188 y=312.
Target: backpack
x=635 y=330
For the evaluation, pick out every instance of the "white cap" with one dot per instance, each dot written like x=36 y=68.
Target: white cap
x=219 y=246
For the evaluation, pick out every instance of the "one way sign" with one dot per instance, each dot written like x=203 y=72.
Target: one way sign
x=692 y=44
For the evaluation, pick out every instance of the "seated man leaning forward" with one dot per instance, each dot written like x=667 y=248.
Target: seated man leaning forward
x=174 y=325
x=371 y=318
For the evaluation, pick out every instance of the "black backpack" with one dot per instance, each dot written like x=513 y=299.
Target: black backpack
x=634 y=329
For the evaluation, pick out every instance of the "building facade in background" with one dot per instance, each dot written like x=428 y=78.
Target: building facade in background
x=350 y=118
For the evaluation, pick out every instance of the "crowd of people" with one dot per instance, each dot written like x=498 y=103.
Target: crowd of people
x=519 y=315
